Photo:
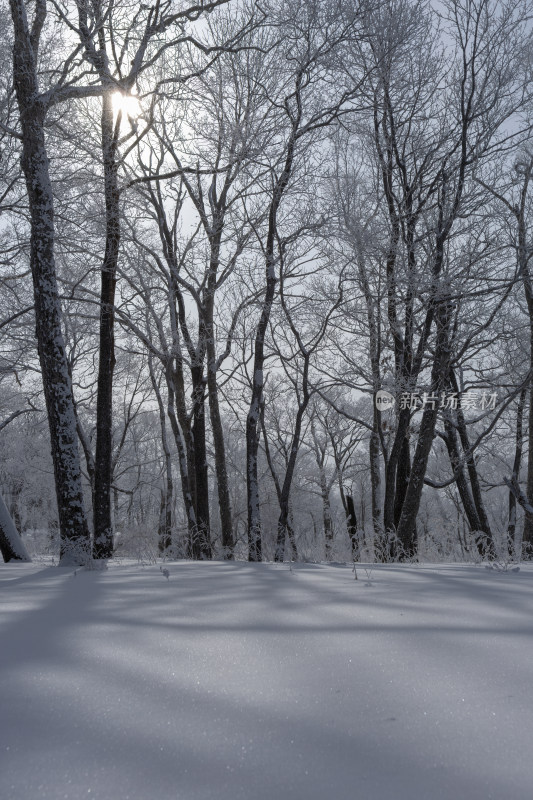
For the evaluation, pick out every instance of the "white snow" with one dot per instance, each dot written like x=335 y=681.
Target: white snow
x=250 y=681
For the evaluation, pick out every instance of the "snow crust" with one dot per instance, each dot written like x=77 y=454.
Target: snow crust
x=256 y=681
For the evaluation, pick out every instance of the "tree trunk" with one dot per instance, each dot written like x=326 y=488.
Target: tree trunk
x=14 y=506
x=527 y=534
x=289 y=472
x=513 y=545
x=202 y=540
x=404 y=418
x=460 y=477
x=524 y=256
x=254 y=412
x=351 y=524
x=103 y=528
x=169 y=501
x=11 y=545
x=75 y=541
x=485 y=544
x=406 y=532
x=403 y=470
x=292 y=536
x=164 y=531
x=167 y=494
x=172 y=379
x=375 y=478
x=252 y=422
x=326 y=512
x=224 y=501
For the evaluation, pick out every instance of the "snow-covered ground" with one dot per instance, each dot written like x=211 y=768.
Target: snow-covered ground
x=254 y=682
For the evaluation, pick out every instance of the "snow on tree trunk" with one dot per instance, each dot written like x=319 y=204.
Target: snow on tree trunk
x=11 y=545
x=54 y=368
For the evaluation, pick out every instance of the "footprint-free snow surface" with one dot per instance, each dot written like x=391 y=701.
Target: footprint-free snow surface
x=230 y=681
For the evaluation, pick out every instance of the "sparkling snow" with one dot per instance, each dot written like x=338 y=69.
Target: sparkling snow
x=251 y=681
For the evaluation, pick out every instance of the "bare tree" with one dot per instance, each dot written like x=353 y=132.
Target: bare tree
x=313 y=38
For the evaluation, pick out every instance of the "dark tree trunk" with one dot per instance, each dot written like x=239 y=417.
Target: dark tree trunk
x=527 y=535
x=292 y=537
x=169 y=502
x=460 y=478
x=404 y=418
x=253 y=418
x=224 y=501
x=485 y=543
x=511 y=526
x=254 y=412
x=291 y=464
x=164 y=533
x=351 y=524
x=403 y=470
x=201 y=545
x=167 y=494
x=103 y=528
x=75 y=542
x=406 y=532
x=375 y=478
x=174 y=386
x=524 y=257
x=326 y=512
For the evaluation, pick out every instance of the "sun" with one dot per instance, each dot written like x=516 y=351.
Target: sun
x=128 y=104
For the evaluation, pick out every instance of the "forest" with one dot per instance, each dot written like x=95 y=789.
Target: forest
x=265 y=280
